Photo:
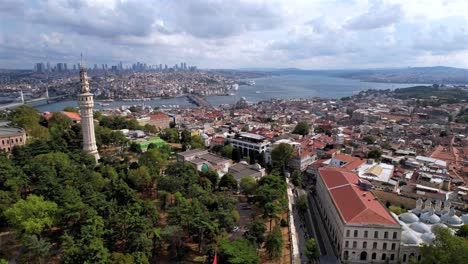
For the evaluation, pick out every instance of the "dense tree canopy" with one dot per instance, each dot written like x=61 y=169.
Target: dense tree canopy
x=281 y=155
x=302 y=128
x=239 y=251
x=447 y=248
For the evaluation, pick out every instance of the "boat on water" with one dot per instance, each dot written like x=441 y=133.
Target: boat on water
x=103 y=104
x=232 y=94
x=250 y=82
x=257 y=92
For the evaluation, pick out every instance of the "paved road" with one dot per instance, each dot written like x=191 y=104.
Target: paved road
x=328 y=254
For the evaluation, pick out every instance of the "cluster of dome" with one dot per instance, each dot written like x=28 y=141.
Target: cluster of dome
x=419 y=224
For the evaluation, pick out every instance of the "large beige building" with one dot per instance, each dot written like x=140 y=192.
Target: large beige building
x=361 y=229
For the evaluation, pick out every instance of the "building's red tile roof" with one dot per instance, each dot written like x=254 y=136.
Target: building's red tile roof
x=218 y=140
x=72 y=115
x=159 y=116
x=355 y=205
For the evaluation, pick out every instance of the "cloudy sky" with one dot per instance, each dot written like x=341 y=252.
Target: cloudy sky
x=309 y=34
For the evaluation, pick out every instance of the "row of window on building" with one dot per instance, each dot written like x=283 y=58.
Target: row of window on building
x=376 y=234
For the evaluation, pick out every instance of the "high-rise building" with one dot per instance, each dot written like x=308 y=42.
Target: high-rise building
x=39 y=67
x=86 y=104
x=59 y=67
x=48 y=66
x=65 y=67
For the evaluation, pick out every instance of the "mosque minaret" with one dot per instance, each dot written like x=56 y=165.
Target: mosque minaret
x=86 y=104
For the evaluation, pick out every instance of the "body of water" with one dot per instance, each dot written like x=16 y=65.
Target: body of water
x=282 y=86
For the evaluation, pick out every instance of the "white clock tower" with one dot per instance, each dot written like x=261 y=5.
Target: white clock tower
x=86 y=104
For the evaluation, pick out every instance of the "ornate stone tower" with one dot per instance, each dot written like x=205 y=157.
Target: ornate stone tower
x=86 y=104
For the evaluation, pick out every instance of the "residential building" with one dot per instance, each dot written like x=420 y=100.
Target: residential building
x=248 y=142
x=160 y=120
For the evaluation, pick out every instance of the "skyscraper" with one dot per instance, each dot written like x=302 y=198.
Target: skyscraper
x=86 y=104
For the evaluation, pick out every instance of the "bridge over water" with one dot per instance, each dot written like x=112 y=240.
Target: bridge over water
x=199 y=101
x=21 y=102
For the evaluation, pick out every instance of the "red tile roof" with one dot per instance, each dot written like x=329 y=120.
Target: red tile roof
x=72 y=116
x=355 y=205
x=159 y=116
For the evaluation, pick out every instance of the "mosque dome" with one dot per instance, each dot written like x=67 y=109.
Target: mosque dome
x=409 y=237
x=430 y=218
x=204 y=136
x=464 y=218
x=428 y=238
x=420 y=227
x=409 y=217
x=451 y=219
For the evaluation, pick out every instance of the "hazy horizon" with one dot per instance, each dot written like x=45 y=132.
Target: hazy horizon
x=212 y=34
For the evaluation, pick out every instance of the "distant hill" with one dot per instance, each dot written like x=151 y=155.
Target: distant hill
x=423 y=75
x=428 y=95
x=438 y=74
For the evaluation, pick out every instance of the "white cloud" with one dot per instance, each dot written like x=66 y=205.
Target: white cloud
x=238 y=33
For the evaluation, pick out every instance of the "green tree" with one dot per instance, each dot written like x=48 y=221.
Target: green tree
x=70 y=109
x=375 y=154
x=29 y=119
x=211 y=175
x=463 y=231
x=227 y=151
x=248 y=185
x=255 y=232
x=236 y=155
x=281 y=155
x=36 y=249
x=239 y=251
x=312 y=250
x=185 y=137
x=31 y=216
x=197 y=142
x=170 y=135
x=140 y=178
x=228 y=181
x=302 y=203
x=369 y=140
x=446 y=248
x=274 y=243
x=297 y=178
x=302 y=128
x=121 y=258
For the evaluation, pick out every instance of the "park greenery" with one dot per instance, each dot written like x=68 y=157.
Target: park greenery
x=131 y=207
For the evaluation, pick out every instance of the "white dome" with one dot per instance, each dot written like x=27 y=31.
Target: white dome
x=428 y=238
x=464 y=218
x=409 y=217
x=204 y=136
x=430 y=218
x=409 y=237
x=420 y=227
x=438 y=225
x=416 y=211
x=451 y=219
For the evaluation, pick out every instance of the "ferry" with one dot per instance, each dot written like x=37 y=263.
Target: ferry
x=250 y=82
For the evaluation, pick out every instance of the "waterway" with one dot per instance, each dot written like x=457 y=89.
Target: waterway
x=281 y=86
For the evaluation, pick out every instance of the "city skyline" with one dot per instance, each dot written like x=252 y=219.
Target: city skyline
x=218 y=34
